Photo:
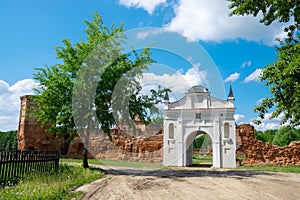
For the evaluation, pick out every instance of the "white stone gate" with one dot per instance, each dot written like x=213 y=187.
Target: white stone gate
x=199 y=113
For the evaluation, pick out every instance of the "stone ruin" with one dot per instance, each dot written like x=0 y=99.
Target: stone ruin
x=31 y=136
x=257 y=152
x=123 y=146
x=147 y=147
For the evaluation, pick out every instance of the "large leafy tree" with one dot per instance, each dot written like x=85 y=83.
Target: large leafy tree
x=282 y=75
x=76 y=96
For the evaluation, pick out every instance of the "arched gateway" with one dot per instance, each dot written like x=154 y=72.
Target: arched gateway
x=195 y=114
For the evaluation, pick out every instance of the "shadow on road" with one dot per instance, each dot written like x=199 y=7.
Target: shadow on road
x=180 y=172
x=188 y=172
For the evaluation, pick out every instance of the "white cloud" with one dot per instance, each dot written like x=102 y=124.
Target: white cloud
x=10 y=102
x=143 y=34
x=267 y=123
x=246 y=64
x=266 y=126
x=238 y=118
x=259 y=101
x=209 y=20
x=3 y=86
x=179 y=82
x=232 y=77
x=148 y=5
x=254 y=76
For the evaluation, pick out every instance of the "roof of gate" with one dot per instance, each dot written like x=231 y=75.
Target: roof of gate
x=198 y=97
x=197 y=89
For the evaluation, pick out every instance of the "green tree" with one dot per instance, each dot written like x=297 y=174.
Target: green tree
x=76 y=96
x=259 y=135
x=159 y=120
x=202 y=142
x=282 y=75
x=266 y=136
x=285 y=135
x=198 y=141
x=269 y=135
x=286 y=11
x=8 y=141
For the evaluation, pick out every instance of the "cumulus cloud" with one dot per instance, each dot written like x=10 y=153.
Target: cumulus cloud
x=238 y=118
x=267 y=123
x=246 y=64
x=179 y=82
x=254 y=76
x=209 y=20
x=148 y=5
x=10 y=102
x=232 y=77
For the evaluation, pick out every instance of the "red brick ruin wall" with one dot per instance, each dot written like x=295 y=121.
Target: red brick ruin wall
x=122 y=147
x=30 y=134
x=262 y=153
x=147 y=148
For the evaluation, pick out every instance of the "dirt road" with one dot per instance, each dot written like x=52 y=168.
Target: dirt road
x=192 y=183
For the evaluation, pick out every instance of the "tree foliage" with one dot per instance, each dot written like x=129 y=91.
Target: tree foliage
x=272 y=10
x=266 y=136
x=8 y=141
x=202 y=142
x=280 y=137
x=76 y=95
x=282 y=75
x=285 y=135
x=159 y=120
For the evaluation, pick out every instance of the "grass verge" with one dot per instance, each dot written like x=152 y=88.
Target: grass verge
x=196 y=160
x=51 y=185
x=272 y=168
x=120 y=163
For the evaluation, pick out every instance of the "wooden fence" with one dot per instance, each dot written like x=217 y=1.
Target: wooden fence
x=15 y=164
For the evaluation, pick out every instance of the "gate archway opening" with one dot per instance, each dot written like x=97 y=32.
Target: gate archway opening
x=199 y=157
x=202 y=150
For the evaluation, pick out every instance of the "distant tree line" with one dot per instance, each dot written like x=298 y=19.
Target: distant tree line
x=280 y=137
x=8 y=140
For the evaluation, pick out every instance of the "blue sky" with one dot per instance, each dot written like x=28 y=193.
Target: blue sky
x=239 y=46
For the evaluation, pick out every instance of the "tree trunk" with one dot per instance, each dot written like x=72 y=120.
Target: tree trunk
x=85 y=158
x=86 y=144
x=86 y=141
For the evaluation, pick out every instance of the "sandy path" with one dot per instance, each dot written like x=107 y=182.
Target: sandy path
x=193 y=183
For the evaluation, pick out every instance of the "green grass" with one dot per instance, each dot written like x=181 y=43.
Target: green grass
x=120 y=163
x=201 y=159
x=196 y=160
x=51 y=185
x=272 y=168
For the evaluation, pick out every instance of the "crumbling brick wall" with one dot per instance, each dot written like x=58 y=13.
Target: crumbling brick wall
x=147 y=148
x=31 y=136
x=122 y=147
x=263 y=153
